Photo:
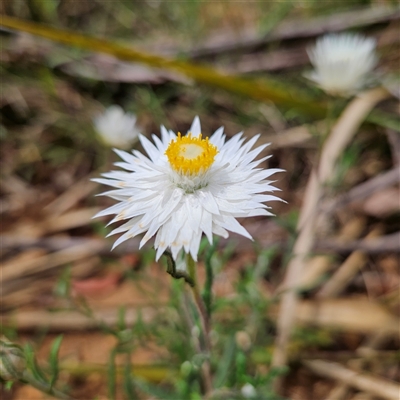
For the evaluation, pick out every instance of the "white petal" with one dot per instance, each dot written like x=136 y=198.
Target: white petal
x=195 y=129
x=206 y=225
x=151 y=150
x=218 y=230
x=218 y=138
x=231 y=224
x=194 y=212
x=165 y=136
x=208 y=201
x=153 y=228
x=194 y=245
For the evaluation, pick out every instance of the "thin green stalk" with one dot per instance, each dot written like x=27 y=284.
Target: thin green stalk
x=207 y=292
x=43 y=387
x=204 y=322
x=204 y=319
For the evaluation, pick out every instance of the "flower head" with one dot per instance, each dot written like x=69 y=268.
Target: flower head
x=188 y=186
x=342 y=62
x=116 y=128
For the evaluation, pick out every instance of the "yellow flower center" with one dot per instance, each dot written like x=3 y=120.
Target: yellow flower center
x=191 y=155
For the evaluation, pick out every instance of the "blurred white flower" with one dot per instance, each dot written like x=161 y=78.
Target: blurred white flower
x=342 y=62
x=117 y=128
x=188 y=186
x=248 y=391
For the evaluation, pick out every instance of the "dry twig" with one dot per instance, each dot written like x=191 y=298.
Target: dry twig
x=364 y=189
x=344 y=315
x=370 y=384
x=74 y=320
x=318 y=265
x=71 y=197
x=347 y=270
x=384 y=244
x=13 y=269
x=341 y=134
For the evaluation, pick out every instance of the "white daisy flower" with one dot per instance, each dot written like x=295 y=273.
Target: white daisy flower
x=117 y=128
x=342 y=62
x=187 y=186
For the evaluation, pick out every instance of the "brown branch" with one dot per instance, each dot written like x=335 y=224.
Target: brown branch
x=62 y=321
x=342 y=133
x=367 y=383
x=364 y=189
x=344 y=274
x=384 y=244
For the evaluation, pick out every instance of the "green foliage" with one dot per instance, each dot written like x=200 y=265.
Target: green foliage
x=63 y=285
x=304 y=338
x=207 y=292
x=42 y=378
x=112 y=375
x=226 y=361
x=53 y=360
x=349 y=159
x=276 y=14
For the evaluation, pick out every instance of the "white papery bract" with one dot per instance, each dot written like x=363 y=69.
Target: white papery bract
x=342 y=62
x=188 y=186
x=117 y=128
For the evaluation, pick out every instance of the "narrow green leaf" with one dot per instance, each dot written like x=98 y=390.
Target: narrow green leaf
x=129 y=387
x=207 y=293
x=121 y=318
x=155 y=390
x=384 y=119
x=32 y=364
x=53 y=360
x=63 y=284
x=226 y=363
x=112 y=375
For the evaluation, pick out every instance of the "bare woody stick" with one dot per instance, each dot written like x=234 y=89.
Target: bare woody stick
x=367 y=383
x=342 y=133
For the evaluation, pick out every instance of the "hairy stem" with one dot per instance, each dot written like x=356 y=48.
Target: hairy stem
x=204 y=322
x=207 y=292
x=43 y=386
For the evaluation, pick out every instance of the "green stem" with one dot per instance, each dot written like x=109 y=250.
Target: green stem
x=204 y=322
x=204 y=319
x=207 y=293
x=43 y=387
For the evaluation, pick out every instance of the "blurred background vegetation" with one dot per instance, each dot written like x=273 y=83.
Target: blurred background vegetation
x=120 y=314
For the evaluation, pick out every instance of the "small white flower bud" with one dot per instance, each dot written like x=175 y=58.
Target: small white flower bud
x=186 y=368
x=196 y=331
x=214 y=337
x=116 y=127
x=248 y=391
x=12 y=360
